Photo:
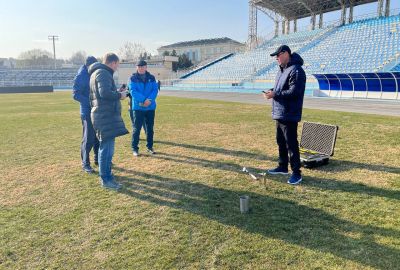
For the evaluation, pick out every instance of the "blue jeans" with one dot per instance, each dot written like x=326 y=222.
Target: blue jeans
x=140 y=119
x=89 y=141
x=106 y=152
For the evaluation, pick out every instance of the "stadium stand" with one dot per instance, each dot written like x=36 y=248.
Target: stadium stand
x=243 y=65
x=59 y=78
x=365 y=46
x=337 y=57
x=396 y=68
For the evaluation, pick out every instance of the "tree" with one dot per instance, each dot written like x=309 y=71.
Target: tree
x=78 y=58
x=184 y=62
x=173 y=53
x=34 y=54
x=35 y=58
x=131 y=51
x=165 y=53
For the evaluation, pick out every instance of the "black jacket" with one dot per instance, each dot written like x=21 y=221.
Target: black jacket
x=105 y=103
x=287 y=104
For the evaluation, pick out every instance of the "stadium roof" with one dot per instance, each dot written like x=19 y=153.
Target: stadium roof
x=297 y=9
x=211 y=41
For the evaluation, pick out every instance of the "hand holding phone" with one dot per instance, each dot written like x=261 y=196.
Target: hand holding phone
x=122 y=88
x=270 y=94
x=269 y=90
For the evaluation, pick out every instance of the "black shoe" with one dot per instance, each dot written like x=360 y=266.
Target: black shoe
x=278 y=170
x=151 y=151
x=88 y=169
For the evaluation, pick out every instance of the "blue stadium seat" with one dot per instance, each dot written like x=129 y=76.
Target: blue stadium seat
x=368 y=45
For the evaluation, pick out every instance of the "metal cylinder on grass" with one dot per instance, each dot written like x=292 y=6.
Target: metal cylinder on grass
x=244 y=204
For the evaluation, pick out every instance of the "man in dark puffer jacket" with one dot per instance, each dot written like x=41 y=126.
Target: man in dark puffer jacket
x=287 y=105
x=106 y=114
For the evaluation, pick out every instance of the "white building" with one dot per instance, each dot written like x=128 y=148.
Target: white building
x=204 y=49
x=160 y=67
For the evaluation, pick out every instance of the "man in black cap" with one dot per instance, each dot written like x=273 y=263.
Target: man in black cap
x=81 y=90
x=287 y=105
x=144 y=90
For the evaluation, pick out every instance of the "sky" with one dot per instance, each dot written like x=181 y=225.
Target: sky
x=102 y=26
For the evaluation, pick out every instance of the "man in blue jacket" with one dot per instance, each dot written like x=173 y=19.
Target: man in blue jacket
x=287 y=105
x=144 y=90
x=81 y=91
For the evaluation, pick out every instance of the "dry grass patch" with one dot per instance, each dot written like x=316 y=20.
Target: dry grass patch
x=179 y=208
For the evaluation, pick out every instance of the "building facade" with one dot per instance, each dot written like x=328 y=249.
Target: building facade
x=160 y=67
x=204 y=49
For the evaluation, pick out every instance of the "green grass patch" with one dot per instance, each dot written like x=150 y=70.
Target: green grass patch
x=179 y=209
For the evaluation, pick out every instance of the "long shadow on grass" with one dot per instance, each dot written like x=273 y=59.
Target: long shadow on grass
x=217 y=150
x=271 y=217
x=335 y=165
x=219 y=165
x=344 y=186
x=321 y=183
x=345 y=165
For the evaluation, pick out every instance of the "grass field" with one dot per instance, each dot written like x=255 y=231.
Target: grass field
x=180 y=208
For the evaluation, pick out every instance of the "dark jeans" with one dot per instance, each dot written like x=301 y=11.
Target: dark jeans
x=131 y=116
x=89 y=141
x=139 y=119
x=286 y=137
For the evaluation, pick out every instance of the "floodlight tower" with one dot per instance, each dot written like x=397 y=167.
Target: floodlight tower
x=252 y=39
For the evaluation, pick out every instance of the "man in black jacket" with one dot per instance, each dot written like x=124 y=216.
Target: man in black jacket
x=106 y=114
x=287 y=105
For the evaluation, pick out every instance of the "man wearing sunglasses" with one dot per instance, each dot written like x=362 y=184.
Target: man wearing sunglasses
x=287 y=105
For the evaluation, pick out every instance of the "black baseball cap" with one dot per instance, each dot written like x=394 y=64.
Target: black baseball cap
x=141 y=63
x=283 y=48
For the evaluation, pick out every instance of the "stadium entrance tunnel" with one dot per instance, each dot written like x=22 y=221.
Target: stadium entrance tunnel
x=384 y=85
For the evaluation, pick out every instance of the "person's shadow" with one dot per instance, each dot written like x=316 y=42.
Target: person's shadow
x=217 y=150
x=271 y=217
x=334 y=164
x=321 y=183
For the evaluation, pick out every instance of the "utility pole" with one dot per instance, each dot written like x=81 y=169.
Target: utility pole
x=54 y=38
